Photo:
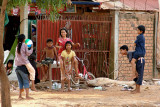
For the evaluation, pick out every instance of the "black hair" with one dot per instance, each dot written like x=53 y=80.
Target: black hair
x=65 y=31
x=68 y=42
x=9 y=61
x=21 y=37
x=124 y=47
x=141 y=28
x=49 y=40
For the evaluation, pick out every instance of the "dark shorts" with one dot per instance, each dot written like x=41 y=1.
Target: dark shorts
x=47 y=61
x=140 y=69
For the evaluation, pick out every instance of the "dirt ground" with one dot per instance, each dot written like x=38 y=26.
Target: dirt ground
x=89 y=97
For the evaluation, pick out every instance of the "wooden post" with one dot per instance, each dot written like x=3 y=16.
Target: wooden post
x=50 y=76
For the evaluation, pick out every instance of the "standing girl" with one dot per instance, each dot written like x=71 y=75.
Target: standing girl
x=21 y=58
x=68 y=60
x=60 y=44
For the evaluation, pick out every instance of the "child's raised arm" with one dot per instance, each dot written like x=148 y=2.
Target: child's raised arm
x=27 y=51
x=75 y=45
x=57 y=46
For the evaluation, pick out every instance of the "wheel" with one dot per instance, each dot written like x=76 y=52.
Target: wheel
x=74 y=81
x=89 y=76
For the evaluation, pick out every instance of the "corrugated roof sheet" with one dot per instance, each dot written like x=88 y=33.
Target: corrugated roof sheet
x=142 y=4
x=129 y=4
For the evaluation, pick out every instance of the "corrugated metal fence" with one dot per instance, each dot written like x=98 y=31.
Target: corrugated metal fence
x=92 y=31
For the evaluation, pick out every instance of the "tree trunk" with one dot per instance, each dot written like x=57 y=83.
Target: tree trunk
x=24 y=20
x=5 y=88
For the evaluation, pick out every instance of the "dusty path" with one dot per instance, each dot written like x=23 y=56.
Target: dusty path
x=112 y=97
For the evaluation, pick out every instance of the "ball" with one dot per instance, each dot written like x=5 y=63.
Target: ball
x=28 y=42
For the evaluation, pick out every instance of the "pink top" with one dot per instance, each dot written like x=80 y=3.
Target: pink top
x=22 y=59
x=61 y=42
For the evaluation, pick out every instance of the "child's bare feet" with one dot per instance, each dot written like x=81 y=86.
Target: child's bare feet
x=28 y=98
x=43 y=80
x=135 y=91
x=69 y=90
x=20 y=98
x=62 y=90
x=34 y=89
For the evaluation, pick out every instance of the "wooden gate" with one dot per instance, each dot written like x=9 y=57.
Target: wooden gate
x=92 y=31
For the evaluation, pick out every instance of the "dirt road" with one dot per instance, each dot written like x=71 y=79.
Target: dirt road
x=112 y=97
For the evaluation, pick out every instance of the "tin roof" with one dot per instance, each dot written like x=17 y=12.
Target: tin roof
x=142 y=4
x=129 y=4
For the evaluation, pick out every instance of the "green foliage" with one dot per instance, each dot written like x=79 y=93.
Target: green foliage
x=15 y=3
x=53 y=6
x=50 y=5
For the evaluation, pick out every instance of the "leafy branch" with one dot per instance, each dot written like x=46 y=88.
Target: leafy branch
x=52 y=6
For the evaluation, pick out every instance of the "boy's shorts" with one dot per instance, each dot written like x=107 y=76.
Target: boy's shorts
x=47 y=61
x=140 y=69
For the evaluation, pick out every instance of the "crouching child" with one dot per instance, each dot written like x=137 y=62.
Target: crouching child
x=140 y=62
